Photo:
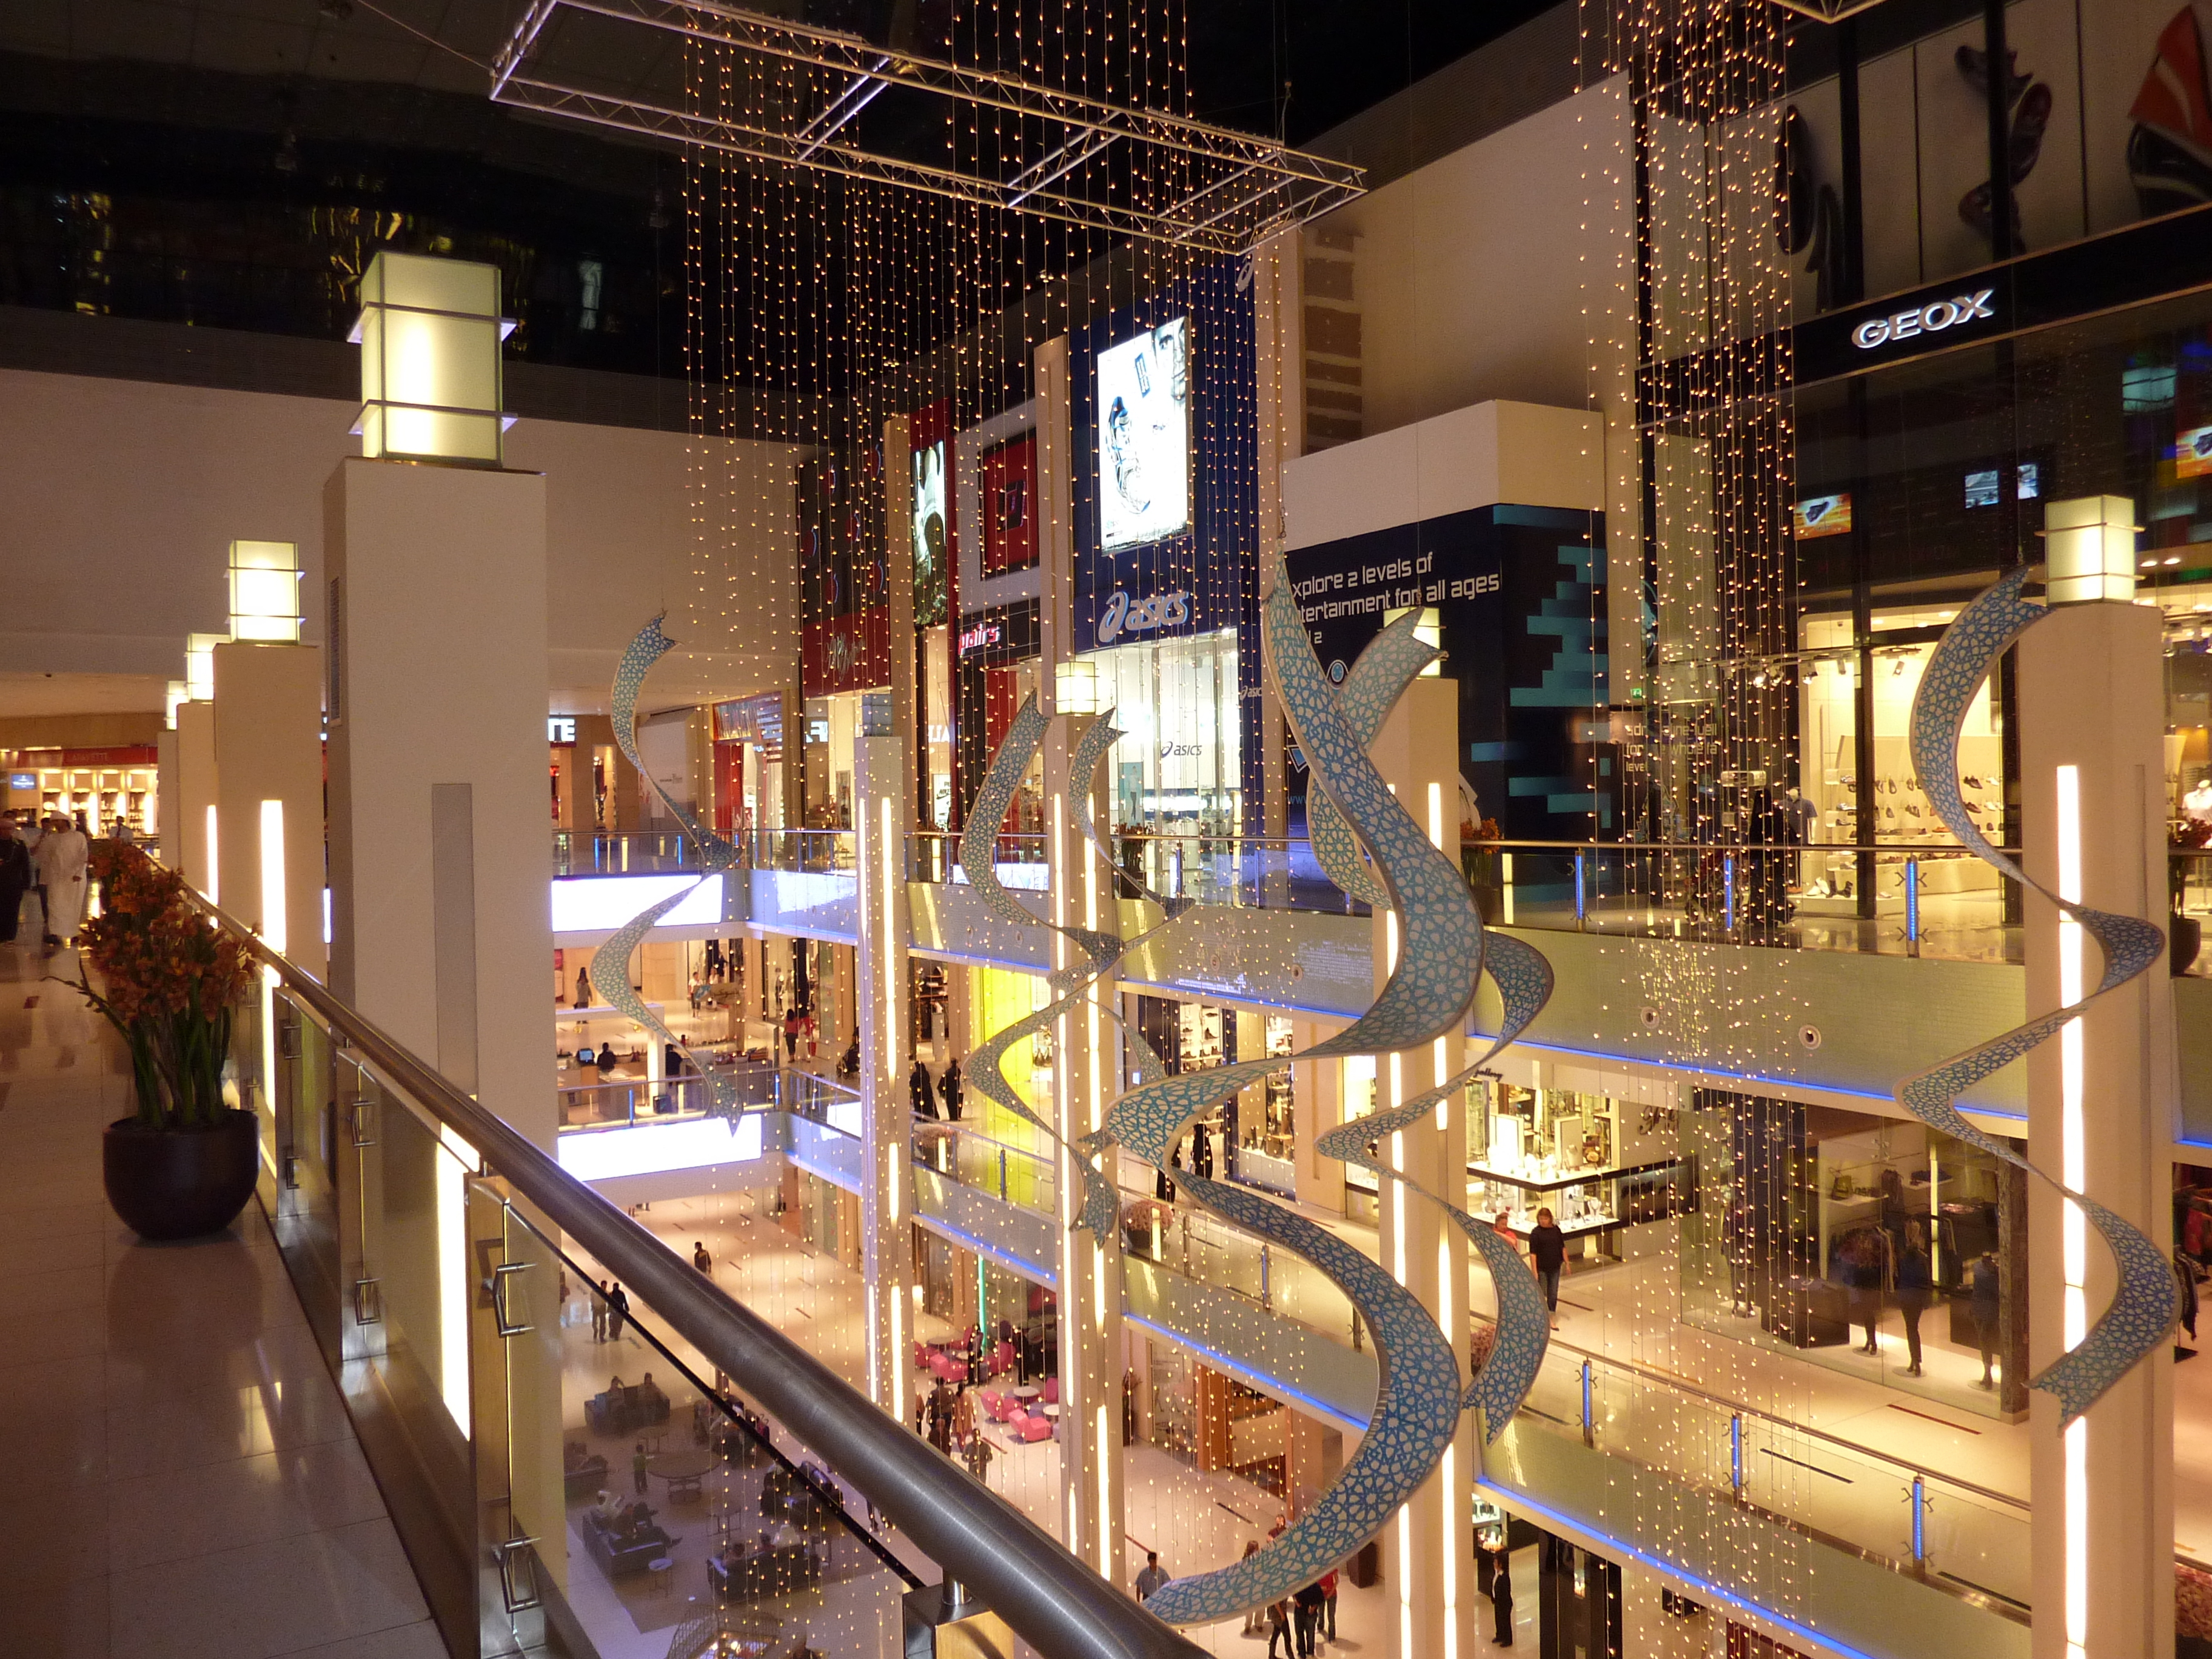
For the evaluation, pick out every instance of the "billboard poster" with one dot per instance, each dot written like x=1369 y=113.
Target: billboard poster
x=932 y=546
x=1143 y=436
x=1519 y=594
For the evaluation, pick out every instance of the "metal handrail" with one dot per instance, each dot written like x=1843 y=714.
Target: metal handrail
x=1050 y=1600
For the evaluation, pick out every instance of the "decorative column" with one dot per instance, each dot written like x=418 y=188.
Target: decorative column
x=188 y=821
x=2101 y=1095
x=1427 y=1559
x=1084 y=1079
x=268 y=771
x=886 y=1053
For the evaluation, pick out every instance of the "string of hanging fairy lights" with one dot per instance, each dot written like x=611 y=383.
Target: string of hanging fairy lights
x=1688 y=317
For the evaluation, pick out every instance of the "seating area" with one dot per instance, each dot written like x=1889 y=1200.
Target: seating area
x=1021 y=1411
x=620 y=1545
x=740 y=1574
x=621 y=1409
x=584 y=1472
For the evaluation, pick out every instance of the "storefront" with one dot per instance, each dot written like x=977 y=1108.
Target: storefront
x=998 y=669
x=845 y=642
x=1250 y=1137
x=103 y=786
x=1817 y=1232
x=749 y=763
x=1166 y=601
x=1597 y=1163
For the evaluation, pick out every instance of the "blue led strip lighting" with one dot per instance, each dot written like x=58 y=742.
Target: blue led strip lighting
x=2147 y=1303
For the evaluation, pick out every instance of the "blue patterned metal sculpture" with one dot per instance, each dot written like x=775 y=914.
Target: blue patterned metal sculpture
x=2147 y=1301
x=1441 y=961
x=610 y=969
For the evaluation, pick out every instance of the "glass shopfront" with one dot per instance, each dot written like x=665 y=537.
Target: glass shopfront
x=1598 y=1165
x=1868 y=1245
x=1178 y=770
x=103 y=787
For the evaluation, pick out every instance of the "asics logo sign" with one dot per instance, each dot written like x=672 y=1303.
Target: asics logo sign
x=1931 y=318
x=1161 y=610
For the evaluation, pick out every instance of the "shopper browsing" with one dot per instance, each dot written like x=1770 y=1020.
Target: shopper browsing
x=1547 y=1252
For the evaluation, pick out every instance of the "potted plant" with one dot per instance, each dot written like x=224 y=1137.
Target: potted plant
x=184 y=1162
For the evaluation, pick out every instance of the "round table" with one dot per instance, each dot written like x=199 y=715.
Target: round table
x=1053 y=1411
x=1025 y=1392
x=684 y=1472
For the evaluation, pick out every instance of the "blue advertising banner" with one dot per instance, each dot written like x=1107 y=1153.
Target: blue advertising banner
x=1519 y=594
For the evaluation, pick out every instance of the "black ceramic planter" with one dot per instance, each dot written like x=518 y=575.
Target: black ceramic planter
x=180 y=1183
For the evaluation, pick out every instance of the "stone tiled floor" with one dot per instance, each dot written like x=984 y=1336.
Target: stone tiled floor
x=183 y=1482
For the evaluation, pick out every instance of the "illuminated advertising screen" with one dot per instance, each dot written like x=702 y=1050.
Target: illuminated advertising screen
x=1822 y=515
x=932 y=546
x=2192 y=453
x=1144 y=437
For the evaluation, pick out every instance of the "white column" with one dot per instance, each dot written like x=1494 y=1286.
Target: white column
x=1085 y=1084
x=440 y=834
x=185 y=827
x=1427 y=1560
x=886 y=1054
x=2101 y=1116
x=268 y=769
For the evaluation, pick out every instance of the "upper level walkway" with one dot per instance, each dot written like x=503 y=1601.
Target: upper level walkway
x=184 y=1480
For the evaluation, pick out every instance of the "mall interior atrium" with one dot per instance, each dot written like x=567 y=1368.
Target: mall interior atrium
x=1375 y=830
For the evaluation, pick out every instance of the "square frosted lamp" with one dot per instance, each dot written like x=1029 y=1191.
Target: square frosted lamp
x=2089 y=550
x=429 y=334
x=199 y=665
x=264 y=590
x=1075 y=688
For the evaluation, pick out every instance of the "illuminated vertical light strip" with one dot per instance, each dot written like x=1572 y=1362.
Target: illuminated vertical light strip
x=451 y=1158
x=1105 y=1501
x=889 y=1246
x=273 y=931
x=2074 y=1170
x=214 y=861
x=273 y=934
x=1406 y=1580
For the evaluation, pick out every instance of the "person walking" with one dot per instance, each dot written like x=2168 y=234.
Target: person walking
x=599 y=1311
x=1278 y=1630
x=1151 y=1580
x=1254 y=1617
x=1201 y=1152
x=62 y=856
x=637 y=1462
x=1548 y=1250
x=1988 y=1282
x=948 y=1089
x=14 y=877
x=1915 y=1286
x=1329 y=1602
x=1501 y=1596
x=920 y=1092
x=1305 y=1615
x=618 y=1311
x=790 y=1027
x=700 y=1259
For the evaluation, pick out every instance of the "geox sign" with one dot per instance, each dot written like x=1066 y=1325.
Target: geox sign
x=1931 y=318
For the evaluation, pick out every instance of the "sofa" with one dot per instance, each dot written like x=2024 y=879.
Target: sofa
x=617 y=1557
x=585 y=1477
x=772 y=1571
x=626 y=1410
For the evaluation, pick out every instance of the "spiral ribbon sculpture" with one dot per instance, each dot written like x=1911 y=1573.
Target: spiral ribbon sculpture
x=1432 y=986
x=2147 y=1301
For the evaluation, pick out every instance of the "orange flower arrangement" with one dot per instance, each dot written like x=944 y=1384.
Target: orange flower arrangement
x=170 y=978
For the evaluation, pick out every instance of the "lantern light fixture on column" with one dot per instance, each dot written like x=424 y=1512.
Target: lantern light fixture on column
x=2089 y=550
x=429 y=335
x=174 y=692
x=1075 y=688
x=199 y=664
x=264 y=592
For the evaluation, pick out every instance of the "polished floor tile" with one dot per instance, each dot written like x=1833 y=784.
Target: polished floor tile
x=237 y=1502
x=184 y=1481
x=266 y=1599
